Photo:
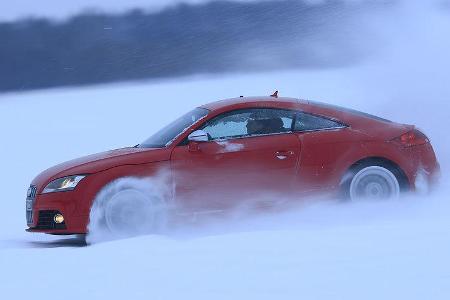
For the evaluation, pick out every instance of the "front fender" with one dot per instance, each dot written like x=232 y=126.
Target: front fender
x=87 y=190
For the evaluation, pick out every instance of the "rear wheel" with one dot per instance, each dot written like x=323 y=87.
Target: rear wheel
x=374 y=183
x=374 y=180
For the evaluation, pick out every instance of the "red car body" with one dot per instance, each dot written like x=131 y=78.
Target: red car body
x=204 y=174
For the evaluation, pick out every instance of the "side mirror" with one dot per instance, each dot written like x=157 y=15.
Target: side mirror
x=198 y=136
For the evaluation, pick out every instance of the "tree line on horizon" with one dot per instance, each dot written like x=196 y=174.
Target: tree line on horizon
x=215 y=37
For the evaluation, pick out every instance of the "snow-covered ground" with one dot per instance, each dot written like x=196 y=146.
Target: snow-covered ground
x=392 y=250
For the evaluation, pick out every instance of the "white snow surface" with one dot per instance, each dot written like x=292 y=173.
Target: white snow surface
x=389 y=250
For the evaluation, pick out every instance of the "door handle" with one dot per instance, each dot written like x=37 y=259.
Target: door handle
x=281 y=155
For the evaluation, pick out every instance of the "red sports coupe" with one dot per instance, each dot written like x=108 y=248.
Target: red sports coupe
x=241 y=151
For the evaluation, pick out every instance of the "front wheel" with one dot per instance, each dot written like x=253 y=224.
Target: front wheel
x=128 y=207
x=131 y=212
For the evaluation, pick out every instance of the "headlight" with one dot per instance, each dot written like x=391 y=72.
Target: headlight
x=63 y=184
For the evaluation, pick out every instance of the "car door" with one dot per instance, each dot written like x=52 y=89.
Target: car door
x=250 y=158
x=324 y=142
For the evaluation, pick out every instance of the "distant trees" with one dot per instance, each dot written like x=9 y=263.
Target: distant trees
x=186 y=39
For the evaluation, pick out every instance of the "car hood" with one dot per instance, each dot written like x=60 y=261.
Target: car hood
x=101 y=161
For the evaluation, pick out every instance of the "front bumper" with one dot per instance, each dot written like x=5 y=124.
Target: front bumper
x=42 y=208
x=46 y=220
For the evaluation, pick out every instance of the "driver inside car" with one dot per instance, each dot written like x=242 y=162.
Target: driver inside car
x=265 y=126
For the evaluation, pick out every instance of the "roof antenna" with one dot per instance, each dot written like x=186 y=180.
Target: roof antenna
x=274 y=95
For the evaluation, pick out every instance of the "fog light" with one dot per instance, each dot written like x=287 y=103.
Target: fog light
x=58 y=218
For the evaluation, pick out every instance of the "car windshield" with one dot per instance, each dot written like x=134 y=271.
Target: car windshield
x=167 y=134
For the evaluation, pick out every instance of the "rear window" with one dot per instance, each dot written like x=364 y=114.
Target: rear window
x=349 y=110
x=308 y=122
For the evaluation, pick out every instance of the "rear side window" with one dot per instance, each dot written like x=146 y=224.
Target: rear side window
x=308 y=122
x=348 y=110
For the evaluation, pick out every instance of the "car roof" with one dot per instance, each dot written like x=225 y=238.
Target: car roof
x=344 y=115
x=245 y=102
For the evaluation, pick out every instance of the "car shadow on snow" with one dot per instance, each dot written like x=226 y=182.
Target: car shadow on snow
x=52 y=242
x=66 y=242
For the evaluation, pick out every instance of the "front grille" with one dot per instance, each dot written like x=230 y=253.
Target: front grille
x=46 y=220
x=31 y=197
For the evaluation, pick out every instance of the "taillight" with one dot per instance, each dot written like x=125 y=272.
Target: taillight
x=412 y=138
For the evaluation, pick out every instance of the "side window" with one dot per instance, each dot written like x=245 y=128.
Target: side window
x=248 y=122
x=305 y=122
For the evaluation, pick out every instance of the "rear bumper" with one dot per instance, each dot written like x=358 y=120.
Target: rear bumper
x=424 y=167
